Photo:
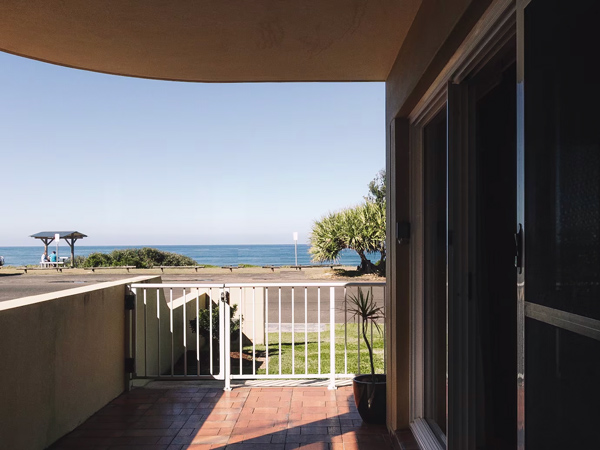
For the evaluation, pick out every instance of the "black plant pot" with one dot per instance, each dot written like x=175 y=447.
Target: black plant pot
x=370 y=397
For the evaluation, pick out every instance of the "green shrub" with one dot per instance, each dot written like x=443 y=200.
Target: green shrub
x=141 y=258
x=204 y=322
x=79 y=261
x=97 y=260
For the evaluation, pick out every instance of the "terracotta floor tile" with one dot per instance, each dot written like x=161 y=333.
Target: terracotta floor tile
x=316 y=446
x=137 y=440
x=265 y=410
x=314 y=403
x=210 y=439
x=90 y=433
x=150 y=432
x=264 y=439
x=312 y=438
x=312 y=416
x=218 y=423
x=185 y=432
x=139 y=447
x=207 y=418
x=278 y=438
x=256 y=446
x=205 y=431
x=314 y=393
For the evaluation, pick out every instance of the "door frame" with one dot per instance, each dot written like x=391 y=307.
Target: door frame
x=496 y=27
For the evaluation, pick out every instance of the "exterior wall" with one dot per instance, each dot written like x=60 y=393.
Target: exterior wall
x=254 y=318
x=62 y=360
x=437 y=31
x=147 y=340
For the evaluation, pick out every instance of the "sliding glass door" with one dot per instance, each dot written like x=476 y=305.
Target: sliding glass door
x=559 y=213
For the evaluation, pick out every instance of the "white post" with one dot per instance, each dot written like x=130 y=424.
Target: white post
x=57 y=238
x=296 y=246
x=227 y=341
x=331 y=339
x=133 y=340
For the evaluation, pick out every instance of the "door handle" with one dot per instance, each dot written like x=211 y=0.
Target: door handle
x=519 y=249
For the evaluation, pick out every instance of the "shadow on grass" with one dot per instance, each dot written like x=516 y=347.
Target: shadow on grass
x=357 y=274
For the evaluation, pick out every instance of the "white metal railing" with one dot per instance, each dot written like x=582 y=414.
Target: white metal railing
x=172 y=350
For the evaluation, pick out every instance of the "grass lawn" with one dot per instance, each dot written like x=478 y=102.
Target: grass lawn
x=299 y=347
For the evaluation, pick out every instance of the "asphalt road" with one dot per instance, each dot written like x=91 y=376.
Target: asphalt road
x=24 y=285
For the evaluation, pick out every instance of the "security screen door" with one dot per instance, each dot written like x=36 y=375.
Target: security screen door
x=559 y=214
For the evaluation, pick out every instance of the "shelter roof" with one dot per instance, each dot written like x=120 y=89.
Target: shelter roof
x=63 y=234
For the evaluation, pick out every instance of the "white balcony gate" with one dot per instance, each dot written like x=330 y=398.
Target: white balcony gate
x=171 y=341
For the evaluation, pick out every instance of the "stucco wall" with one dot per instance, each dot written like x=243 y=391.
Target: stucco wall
x=62 y=359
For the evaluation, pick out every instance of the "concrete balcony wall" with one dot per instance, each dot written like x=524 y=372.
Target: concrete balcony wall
x=253 y=315
x=62 y=359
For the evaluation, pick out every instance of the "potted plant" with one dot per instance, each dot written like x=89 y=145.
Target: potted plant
x=369 y=389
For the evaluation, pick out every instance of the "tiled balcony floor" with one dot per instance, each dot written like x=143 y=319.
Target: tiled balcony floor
x=202 y=418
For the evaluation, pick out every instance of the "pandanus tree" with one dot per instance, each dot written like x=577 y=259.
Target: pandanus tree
x=361 y=229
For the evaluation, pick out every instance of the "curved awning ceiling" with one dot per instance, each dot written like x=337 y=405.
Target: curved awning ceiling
x=216 y=41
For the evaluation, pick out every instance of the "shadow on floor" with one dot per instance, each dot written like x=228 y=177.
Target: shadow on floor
x=204 y=418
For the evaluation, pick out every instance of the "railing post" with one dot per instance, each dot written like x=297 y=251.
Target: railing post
x=332 y=339
x=129 y=363
x=226 y=342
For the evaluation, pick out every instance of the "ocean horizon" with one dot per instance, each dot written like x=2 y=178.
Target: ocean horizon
x=216 y=255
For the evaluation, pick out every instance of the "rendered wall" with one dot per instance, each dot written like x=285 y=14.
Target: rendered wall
x=62 y=360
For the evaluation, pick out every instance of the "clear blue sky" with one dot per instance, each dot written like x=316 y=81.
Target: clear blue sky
x=142 y=162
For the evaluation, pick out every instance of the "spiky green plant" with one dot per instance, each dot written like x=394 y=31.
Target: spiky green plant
x=326 y=238
x=363 y=307
x=361 y=229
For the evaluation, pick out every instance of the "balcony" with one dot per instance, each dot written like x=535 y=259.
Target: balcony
x=72 y=384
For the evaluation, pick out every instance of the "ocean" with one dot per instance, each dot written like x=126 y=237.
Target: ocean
x=217 y=255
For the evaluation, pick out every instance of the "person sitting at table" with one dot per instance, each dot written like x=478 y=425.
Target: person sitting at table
x=53 y=257
x=45 y=257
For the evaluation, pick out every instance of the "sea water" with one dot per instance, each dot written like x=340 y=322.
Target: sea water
x=217 y=255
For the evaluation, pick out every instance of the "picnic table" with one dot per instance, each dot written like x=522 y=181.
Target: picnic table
x=53 y=264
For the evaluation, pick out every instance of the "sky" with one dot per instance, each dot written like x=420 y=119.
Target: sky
x=130 y=161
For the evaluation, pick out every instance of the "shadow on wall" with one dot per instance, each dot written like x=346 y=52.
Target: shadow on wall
x=167 y=345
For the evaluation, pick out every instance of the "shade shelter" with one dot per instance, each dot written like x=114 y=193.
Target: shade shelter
x=69 y=236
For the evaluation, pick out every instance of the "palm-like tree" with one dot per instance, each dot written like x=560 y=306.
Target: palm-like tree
x=361 y=229
x=326 y=238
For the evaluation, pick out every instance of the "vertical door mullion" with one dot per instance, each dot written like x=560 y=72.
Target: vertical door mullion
x=521 y=4
x=461 y=381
